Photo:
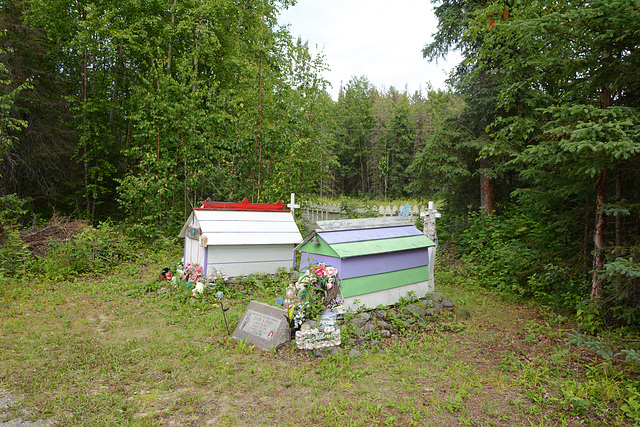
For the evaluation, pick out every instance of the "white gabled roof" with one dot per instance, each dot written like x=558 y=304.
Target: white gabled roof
x=223 y=227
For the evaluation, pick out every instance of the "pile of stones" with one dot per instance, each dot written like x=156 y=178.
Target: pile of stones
x=369 y=329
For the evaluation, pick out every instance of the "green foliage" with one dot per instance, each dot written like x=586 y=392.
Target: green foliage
x=9 y=124
x=551 y=94
x=349 y=209
x=15 y=258
x=160 y=105
x=620 y=303
x=631 y=408
x=94 y=250
x=513 y=254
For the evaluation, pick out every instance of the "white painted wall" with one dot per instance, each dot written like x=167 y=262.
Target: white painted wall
x=236 y=260
x=388 y=296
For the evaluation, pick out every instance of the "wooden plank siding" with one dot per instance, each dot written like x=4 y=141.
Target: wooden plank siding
x=370 y=264
x=242 y=260
x=378 y=265
x=379 y=282
x=333 y=237
x=237 y=242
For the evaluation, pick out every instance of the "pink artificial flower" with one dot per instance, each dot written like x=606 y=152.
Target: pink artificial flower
x=329 y=285
x=186 y=267
x=168 y=275
x=193 y=278
x=319 y=269
x=331 y=271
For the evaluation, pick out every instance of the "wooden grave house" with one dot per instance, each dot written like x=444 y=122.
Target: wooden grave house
x=240 y=238
x=379 y=260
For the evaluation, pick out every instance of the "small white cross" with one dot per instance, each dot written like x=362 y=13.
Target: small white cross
x=293 y=205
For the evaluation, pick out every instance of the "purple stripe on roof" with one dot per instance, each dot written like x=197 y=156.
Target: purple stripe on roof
x=367 y=265
x=346 y=236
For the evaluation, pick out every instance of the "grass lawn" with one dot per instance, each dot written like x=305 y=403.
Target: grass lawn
x=96 y=350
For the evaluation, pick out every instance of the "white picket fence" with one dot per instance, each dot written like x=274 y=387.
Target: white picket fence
x=313 y=212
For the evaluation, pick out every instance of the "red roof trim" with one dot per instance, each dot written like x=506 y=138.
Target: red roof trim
x=242 y=206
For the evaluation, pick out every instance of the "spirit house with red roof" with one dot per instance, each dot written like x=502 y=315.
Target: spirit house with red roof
x=238 y=239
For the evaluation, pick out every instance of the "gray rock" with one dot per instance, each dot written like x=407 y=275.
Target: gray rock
x=436 y=296
x=295 y=276
x=162 y=291
x=384 y=325
x=385 y=334
x=360 y=320
x=354 y=353
x=380 y=314
x=413 y=309
x=427 y=303
x=437 y=307
x=351 y=341
x=464 y=314
x=375 y=344
x=317 y=353
x=369 y=327
x=447 y=303
x=335 y=351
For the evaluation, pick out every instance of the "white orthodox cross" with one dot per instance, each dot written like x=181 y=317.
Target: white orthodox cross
x=429 y=218
x=293 y=205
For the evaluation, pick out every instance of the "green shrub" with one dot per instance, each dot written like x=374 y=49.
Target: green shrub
x=95 y=249
x=15 y=257
x=516 y=253
x=620 y=303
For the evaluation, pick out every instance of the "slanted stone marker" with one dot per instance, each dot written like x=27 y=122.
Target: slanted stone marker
x=263 y=326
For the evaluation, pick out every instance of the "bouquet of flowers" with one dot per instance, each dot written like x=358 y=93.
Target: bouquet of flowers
x=192 y=272
x=316 y=289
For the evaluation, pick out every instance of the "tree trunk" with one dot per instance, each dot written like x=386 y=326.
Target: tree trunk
x=487 y=201
x=598 y=239
x=601 y=218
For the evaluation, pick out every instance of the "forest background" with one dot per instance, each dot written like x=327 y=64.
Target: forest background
x=134 y=111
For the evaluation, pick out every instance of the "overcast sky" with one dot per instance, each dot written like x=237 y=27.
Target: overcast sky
x=381 y=39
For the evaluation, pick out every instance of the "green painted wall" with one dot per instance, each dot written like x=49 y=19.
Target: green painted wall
x=379 y=282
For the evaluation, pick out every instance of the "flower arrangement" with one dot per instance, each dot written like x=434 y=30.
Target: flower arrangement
x=193 y=274
x=316 y=289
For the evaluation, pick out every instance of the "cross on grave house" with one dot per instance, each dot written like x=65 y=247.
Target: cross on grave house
x=293 y=206
x=429 y=218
